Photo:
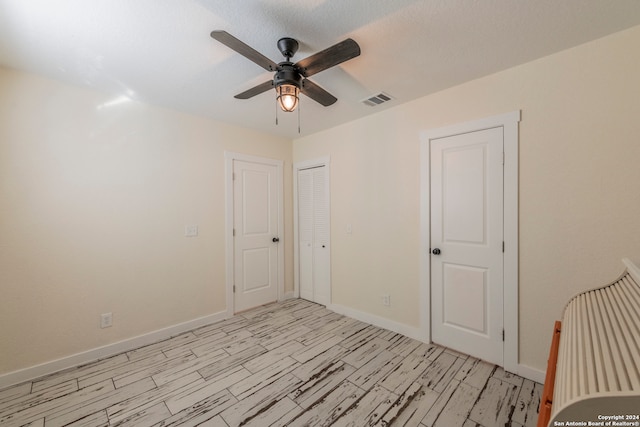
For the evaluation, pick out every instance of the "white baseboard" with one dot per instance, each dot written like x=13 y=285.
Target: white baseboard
x=381 y=322
x=532 y=374
x=30 y=373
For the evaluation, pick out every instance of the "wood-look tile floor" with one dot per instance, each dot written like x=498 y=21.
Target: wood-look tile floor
x=293 y=363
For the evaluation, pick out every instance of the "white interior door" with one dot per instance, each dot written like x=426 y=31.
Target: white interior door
x=467 y=243
x=314 y=275
x=256 y=234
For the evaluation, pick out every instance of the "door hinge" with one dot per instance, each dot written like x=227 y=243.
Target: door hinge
x=503 y=246
x=503 y=156
x=503 y=335
x=233 y=176
x=234 y=235
x=234 y=291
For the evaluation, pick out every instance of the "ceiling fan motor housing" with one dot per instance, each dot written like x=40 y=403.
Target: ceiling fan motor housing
x=287 y=74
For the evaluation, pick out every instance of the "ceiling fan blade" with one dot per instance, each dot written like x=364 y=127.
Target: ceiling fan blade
x=328 y=58
x=316 y=93
x=244 y=49
x=256 y=90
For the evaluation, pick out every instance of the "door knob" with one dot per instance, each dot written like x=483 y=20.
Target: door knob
x=275 y=239
x=436 y=251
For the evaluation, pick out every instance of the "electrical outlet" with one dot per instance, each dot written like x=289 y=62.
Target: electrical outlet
x=191 y=231
x=386 y=300
x=106 y=320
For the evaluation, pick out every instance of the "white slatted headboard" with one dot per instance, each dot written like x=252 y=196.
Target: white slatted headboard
x=598 y=366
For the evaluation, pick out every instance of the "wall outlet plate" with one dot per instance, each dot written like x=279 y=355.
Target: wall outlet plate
x=191 y=230
x=106 y=320
x=386 y=300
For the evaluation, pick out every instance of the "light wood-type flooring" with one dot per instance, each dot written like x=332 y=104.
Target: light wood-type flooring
x=293 y=363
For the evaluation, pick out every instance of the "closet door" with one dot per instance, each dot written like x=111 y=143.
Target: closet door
x=305 y=233
x=314 y=235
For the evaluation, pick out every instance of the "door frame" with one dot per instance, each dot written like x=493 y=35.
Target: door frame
x=509 y=123
x=229 y=158
x=307 y=164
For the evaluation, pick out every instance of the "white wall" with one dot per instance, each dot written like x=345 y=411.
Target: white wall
x=93 y=205
x=93 y=202
x=579 y=184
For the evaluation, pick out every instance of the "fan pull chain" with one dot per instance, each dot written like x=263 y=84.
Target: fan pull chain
x=276 y=104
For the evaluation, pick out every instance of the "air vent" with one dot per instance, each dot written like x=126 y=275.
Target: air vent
x=377 y=99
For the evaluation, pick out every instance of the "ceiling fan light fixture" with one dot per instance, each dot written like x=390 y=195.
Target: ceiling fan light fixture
x=287 y=96
x=291 y=78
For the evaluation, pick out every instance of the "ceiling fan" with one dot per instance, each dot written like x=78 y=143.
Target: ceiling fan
x=290 y=79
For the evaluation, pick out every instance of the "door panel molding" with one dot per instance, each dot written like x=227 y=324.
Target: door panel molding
x=230 y=157
x=509 y=123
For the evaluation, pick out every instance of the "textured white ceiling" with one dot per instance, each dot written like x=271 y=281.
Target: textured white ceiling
x=160 y=51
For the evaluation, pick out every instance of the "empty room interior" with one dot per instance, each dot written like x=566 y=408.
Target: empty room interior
x=317 y=213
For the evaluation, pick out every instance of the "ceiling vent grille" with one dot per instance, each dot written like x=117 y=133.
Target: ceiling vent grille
x=377 y=99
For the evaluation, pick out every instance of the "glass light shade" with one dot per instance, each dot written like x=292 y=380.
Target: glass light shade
x=287 y=97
